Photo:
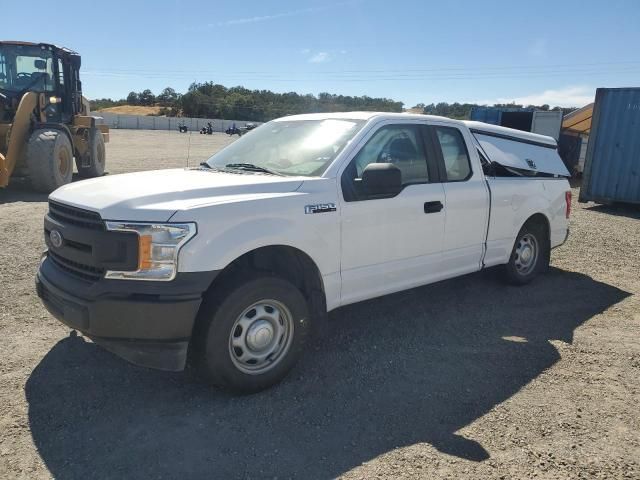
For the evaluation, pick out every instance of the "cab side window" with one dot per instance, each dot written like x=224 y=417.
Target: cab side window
x=60 y=73
x=400 y=145
x=454 y=153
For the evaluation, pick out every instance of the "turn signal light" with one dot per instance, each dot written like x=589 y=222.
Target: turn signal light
x=144 y=252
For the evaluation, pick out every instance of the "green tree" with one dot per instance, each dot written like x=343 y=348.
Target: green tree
x=133 y=99
x=146 y=97
x=168 y=97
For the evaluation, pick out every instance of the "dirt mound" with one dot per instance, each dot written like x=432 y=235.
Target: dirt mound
x=131 y=110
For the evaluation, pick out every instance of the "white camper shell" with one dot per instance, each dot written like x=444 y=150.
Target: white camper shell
x=521 y=152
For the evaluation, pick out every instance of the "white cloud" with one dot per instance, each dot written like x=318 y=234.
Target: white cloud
x=575 y=96
x=538 y=48
x=320 y=57
x=265 y=18
x=305 y=51
x=275 y=16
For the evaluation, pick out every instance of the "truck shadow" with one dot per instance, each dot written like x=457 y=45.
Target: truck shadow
x=618 y=209
x=413 y=367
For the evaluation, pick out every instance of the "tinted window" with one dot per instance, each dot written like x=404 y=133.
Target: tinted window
x=60 y=73
x=454 y=153
x=34 y=73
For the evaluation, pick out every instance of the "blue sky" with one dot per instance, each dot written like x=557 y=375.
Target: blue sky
x=554 y=52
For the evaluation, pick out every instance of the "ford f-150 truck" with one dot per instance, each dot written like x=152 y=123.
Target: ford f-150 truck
x=230 y=264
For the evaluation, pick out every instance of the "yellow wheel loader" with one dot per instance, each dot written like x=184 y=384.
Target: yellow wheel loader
x=44 y=120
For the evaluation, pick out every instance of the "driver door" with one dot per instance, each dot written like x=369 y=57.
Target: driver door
x=390 y=244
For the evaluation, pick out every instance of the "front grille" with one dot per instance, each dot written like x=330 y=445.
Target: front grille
x=71 y=244
x=75 y=216
x=88 y=249
x=86 y=272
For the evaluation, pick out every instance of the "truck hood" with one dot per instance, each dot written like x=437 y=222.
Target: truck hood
x=155 y=196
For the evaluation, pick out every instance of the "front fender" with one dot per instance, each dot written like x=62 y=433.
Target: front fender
x=227 y=232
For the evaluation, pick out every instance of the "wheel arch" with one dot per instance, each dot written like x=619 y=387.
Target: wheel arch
x=284 y=261
x=540 y=220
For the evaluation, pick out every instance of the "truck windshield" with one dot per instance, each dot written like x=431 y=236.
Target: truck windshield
x=26 y=68
x=295 y=147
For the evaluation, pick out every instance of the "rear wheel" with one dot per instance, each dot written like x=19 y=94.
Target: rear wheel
x=530 y=255
x=49 y=158
x=251 y=334
x=98 y=158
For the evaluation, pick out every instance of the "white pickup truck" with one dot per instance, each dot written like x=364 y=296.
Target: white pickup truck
x=229 y=265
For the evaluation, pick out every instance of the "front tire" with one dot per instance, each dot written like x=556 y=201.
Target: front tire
x=251 y=334
x=49 y=156
x=529 y=257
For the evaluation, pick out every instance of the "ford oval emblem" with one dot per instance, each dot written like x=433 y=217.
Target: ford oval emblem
x=56 y=238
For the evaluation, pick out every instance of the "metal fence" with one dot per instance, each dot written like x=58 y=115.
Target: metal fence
x=140 y=122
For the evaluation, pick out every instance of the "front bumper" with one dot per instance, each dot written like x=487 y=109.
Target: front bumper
x=147 y=323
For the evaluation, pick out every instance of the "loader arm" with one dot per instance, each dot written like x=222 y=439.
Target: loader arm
x=18 y=137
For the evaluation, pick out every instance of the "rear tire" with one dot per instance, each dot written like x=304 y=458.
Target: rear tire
x=529 y=256
x=49 y=156
x=98 y=158
x=250 y=334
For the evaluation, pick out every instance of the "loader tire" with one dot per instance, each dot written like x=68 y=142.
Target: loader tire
x=49 y=160
x=98 y=157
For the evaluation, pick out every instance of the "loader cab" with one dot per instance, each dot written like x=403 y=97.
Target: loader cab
x=42 y=68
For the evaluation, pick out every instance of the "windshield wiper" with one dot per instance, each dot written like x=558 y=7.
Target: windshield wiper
x=250 y=167
x=205 y=165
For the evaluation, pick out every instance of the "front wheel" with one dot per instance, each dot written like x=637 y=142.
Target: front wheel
x=530 y=255
x=250 y=335
x=49 y=157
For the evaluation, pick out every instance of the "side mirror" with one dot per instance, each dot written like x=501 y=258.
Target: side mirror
x=381 y=179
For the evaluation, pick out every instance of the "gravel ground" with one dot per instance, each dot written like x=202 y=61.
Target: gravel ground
x=467 y=378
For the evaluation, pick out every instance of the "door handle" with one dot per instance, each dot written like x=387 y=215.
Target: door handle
x=433 y=207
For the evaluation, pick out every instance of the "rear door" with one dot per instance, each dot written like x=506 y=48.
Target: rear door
x=390 y=244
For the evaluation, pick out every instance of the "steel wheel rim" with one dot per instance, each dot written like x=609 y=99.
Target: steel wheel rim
x=261 y=336
x=64 y=162
x=526 y=254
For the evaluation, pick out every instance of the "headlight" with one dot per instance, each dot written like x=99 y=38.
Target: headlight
x=158 y=247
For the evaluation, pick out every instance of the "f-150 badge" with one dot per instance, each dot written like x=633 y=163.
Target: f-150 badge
x=320 y=208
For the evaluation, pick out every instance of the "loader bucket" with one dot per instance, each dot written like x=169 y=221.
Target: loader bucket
x=18 y=137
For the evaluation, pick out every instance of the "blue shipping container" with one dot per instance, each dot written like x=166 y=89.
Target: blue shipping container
x=612 y=165
x=486 y=115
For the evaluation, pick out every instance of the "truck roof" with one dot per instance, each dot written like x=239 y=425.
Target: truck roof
x=362 y=116
x=478 y=126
